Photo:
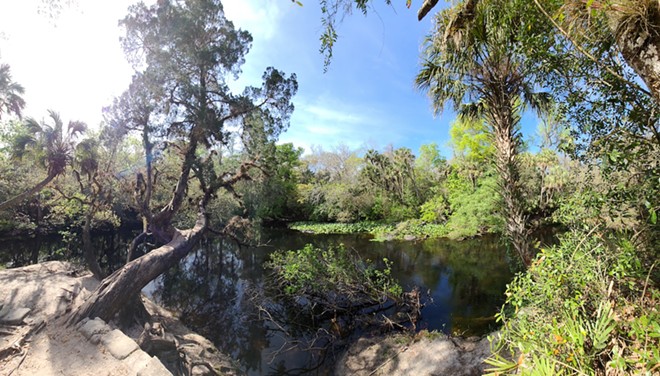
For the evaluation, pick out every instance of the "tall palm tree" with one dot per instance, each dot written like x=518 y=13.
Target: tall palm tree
x=11 y=100
x=50 y=145
x=469 y=62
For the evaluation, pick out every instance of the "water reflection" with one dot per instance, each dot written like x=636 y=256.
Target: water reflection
x=211 y=290
x=212 y=287
x=110 y=246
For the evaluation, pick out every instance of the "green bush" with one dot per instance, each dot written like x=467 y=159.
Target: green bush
x=434 y=210
x=335 y=228
x=335 y=277
x=473 y=209
x=416 y=228
x=585 y=306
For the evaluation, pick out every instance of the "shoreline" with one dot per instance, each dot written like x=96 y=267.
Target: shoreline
x=35 y=340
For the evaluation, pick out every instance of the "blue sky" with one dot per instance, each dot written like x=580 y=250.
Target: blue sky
x=367 y=99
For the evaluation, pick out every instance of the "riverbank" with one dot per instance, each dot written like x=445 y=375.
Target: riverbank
x=424 y=354
x=410 y=230
x=35 y=340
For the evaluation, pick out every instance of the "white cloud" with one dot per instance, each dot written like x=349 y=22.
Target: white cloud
x=340 y=116
x=329 y=121
x=260 y=18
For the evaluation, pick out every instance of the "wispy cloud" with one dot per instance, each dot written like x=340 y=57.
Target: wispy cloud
x=260 y=19
x=339 y=116
x=331 y=121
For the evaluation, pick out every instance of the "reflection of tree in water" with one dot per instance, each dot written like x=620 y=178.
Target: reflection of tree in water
x=31 y=250
x=477 y=272
x=212 y=287
x=207 y=291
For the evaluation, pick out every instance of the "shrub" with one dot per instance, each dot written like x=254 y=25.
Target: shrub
x=586 y=306
x=335 y=278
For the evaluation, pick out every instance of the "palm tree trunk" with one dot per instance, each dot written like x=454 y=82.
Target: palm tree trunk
x=506 y=162
x=639 y=42
x=30 y=192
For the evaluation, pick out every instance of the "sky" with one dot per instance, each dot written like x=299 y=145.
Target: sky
x=73 y=64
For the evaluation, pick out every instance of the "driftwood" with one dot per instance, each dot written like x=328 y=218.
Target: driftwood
x=15 y=344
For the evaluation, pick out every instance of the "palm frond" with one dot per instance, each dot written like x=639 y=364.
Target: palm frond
x=472 y=111
x=76 y=128
x=20 y=145
x=32 y=126
x=57 y=120
x=539 y=102
x=11 y=99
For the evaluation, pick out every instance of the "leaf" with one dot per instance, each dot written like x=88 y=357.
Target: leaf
x=298 y=2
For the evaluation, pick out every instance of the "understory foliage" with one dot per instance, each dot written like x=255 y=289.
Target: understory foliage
x=586 y=306
x=335 y=278
x=316 y=296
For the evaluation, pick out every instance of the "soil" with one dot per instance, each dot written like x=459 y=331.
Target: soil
x=36 y=340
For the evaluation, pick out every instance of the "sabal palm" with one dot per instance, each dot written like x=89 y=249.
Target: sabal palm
x=11 y=100
x=469 y=63
x=50 y=145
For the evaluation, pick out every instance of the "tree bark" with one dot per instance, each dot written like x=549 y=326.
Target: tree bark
x=119 y=288
x=514 y=217
x=507 y=164
x=639 y=42
x=88 y=249
x=30 y=192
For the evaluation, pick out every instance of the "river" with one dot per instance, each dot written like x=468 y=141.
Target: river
x=214 y=290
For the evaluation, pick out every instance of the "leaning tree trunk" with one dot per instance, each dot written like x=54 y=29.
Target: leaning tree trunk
x=119 y=288
x=506 y=161
x=30 y=192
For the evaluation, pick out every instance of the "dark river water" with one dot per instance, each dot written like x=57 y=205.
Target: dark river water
x=215 y=289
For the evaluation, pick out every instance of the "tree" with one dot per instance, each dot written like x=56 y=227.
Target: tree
x=91 y=189
x=276 y=198
x=50 y=145
x=186 y=51
x=333 y=191
x=470 y=62
x=393 y=172
x=632 y=25
x=472 y=147
x=11 y=100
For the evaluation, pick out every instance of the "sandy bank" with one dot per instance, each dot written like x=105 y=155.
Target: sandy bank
x=34 y=339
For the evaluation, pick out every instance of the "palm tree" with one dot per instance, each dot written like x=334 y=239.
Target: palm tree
x=469 y=62
x=10 y=93
x=49 y=145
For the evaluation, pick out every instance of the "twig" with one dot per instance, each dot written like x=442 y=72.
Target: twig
x=646 y=283
x=404 y=348
x=25 y=352
x=585 y=237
